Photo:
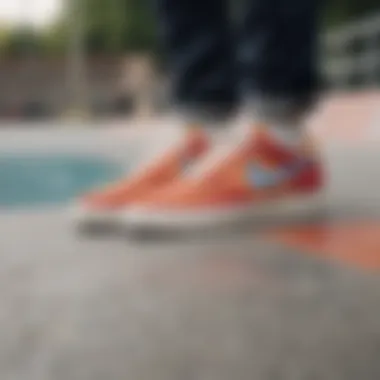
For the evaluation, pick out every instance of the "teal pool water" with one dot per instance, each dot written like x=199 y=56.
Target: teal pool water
x=36 y=180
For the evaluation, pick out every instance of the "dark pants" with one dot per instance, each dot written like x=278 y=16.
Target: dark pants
x=266 y=59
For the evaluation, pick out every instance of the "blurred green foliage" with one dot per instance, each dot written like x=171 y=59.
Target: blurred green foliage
x=20 y=41
x=109 y=26
x=337 y=12
x=118 y=26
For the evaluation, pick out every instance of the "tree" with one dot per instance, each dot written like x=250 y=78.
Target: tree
x=4 y=37
x=338 y=12
x=110 y=26
x=118 y=25
x=19 y=42
x=54 y=39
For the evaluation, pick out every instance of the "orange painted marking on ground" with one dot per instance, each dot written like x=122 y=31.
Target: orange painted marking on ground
x=356 y=244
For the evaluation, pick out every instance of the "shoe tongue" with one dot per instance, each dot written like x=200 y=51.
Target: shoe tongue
x=276 y=149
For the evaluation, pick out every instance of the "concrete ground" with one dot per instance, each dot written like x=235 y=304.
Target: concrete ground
x=259 y=304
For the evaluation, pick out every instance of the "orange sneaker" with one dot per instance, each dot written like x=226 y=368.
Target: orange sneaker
x=255 y=178
x=101 y=207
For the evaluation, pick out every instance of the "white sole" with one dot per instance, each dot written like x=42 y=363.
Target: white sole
x=84 y=218
x=136 y=218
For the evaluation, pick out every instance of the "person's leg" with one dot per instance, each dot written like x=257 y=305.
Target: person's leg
x=197 y=40
x=278 y=58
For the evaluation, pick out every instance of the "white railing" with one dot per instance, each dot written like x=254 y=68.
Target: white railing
x=352 y=54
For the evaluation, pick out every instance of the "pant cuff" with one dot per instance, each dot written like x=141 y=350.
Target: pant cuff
x=275 y=109
x=217 y=114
